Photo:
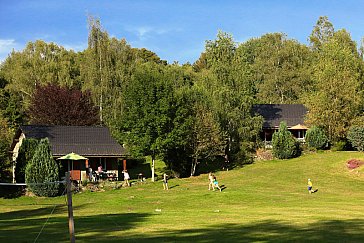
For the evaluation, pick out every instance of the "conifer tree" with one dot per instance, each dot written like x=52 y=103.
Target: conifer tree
x=316 y=138
x=284 y=144
x=26 y=153
x=42 y=171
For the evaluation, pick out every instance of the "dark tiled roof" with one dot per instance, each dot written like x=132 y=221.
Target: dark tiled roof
x=292 y=114
x=84 y=140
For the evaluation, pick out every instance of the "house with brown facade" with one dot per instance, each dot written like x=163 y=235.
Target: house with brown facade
x=274 y=114
x=93 y=142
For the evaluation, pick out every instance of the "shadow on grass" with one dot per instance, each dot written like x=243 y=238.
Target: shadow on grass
x=267 y=231
x=173 y=186
x=24 y=226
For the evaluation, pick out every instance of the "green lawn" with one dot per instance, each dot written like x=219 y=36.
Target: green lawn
x=265 y=201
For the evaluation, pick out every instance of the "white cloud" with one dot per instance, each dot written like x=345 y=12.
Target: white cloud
x=144 y=32
x=6 y=46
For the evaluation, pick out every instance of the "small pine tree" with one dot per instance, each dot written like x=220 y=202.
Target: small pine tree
x=26 y=153
x=316 y=138
x=42 y=169
x=284 y=144
x=356 y=137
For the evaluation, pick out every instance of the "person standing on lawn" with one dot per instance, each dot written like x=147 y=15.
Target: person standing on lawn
x=165 y=181
x=211 y=181
x=216 y=184
x=309 y=186
x=126 y=177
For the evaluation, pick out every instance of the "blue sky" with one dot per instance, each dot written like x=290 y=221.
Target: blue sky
x=174 y=30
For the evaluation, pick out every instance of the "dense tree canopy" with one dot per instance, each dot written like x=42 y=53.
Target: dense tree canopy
x=280 y=68
x=54 y=105
x=337 y=96
x=162 y=109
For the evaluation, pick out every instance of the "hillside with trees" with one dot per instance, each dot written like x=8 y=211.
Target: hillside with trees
x=187 y=113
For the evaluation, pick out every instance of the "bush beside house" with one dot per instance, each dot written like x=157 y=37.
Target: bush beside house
x=284 y=145
x=316 y=138
x=356 y=137
x=26 y=153
x=42 y=169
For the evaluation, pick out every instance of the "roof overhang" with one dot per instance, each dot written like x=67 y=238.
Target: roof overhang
x=298 y=127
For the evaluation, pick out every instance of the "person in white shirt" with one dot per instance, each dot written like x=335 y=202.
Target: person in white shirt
x=126 y=177
x=165 y=181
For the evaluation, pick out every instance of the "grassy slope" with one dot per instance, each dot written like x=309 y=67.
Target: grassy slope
x=265 y=201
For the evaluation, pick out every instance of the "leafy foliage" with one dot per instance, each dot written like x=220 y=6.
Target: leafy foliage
x=316 y=138
x=10 y=104
x=206 y=140
x=229 y=92
x=356 y=137
x=280 y=67
x=335 y=101
x=25 y=155
x=322 y=32
x=42 y=171
x=5 y=137
x=38 y=64
x=55 y=105
x=148 y=113
x=154 y=107
x=284 y=144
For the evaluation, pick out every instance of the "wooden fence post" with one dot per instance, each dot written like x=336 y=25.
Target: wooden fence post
x=71 y=225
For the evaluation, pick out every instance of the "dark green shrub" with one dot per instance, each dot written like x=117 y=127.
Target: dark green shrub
x=42 y=169
x=5 y=165
x=284 y=144
x=356 y=137
x=316 y=138
x=339 y=146
x=5 y=162
x=25 y=155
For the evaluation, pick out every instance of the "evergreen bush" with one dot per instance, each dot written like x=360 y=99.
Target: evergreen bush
x=356 y=137
x=316 y=138
x=284 y=145
x=25 y=155
x=42 y=169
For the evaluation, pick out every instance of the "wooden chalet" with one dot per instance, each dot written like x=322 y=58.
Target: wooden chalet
x=93 y=142
x=274 y=114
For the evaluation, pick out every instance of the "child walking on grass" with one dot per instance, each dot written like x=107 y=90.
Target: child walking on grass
x=211 y=181
x=126 y=178
x=309 y=186
x=216 y=184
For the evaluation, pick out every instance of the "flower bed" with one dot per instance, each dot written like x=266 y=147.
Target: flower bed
x=354 y=163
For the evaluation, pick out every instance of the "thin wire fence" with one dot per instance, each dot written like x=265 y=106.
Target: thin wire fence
x=54 y=206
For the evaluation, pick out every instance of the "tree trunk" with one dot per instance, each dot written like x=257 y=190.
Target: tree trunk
x=193 y=167
x=153 y=163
